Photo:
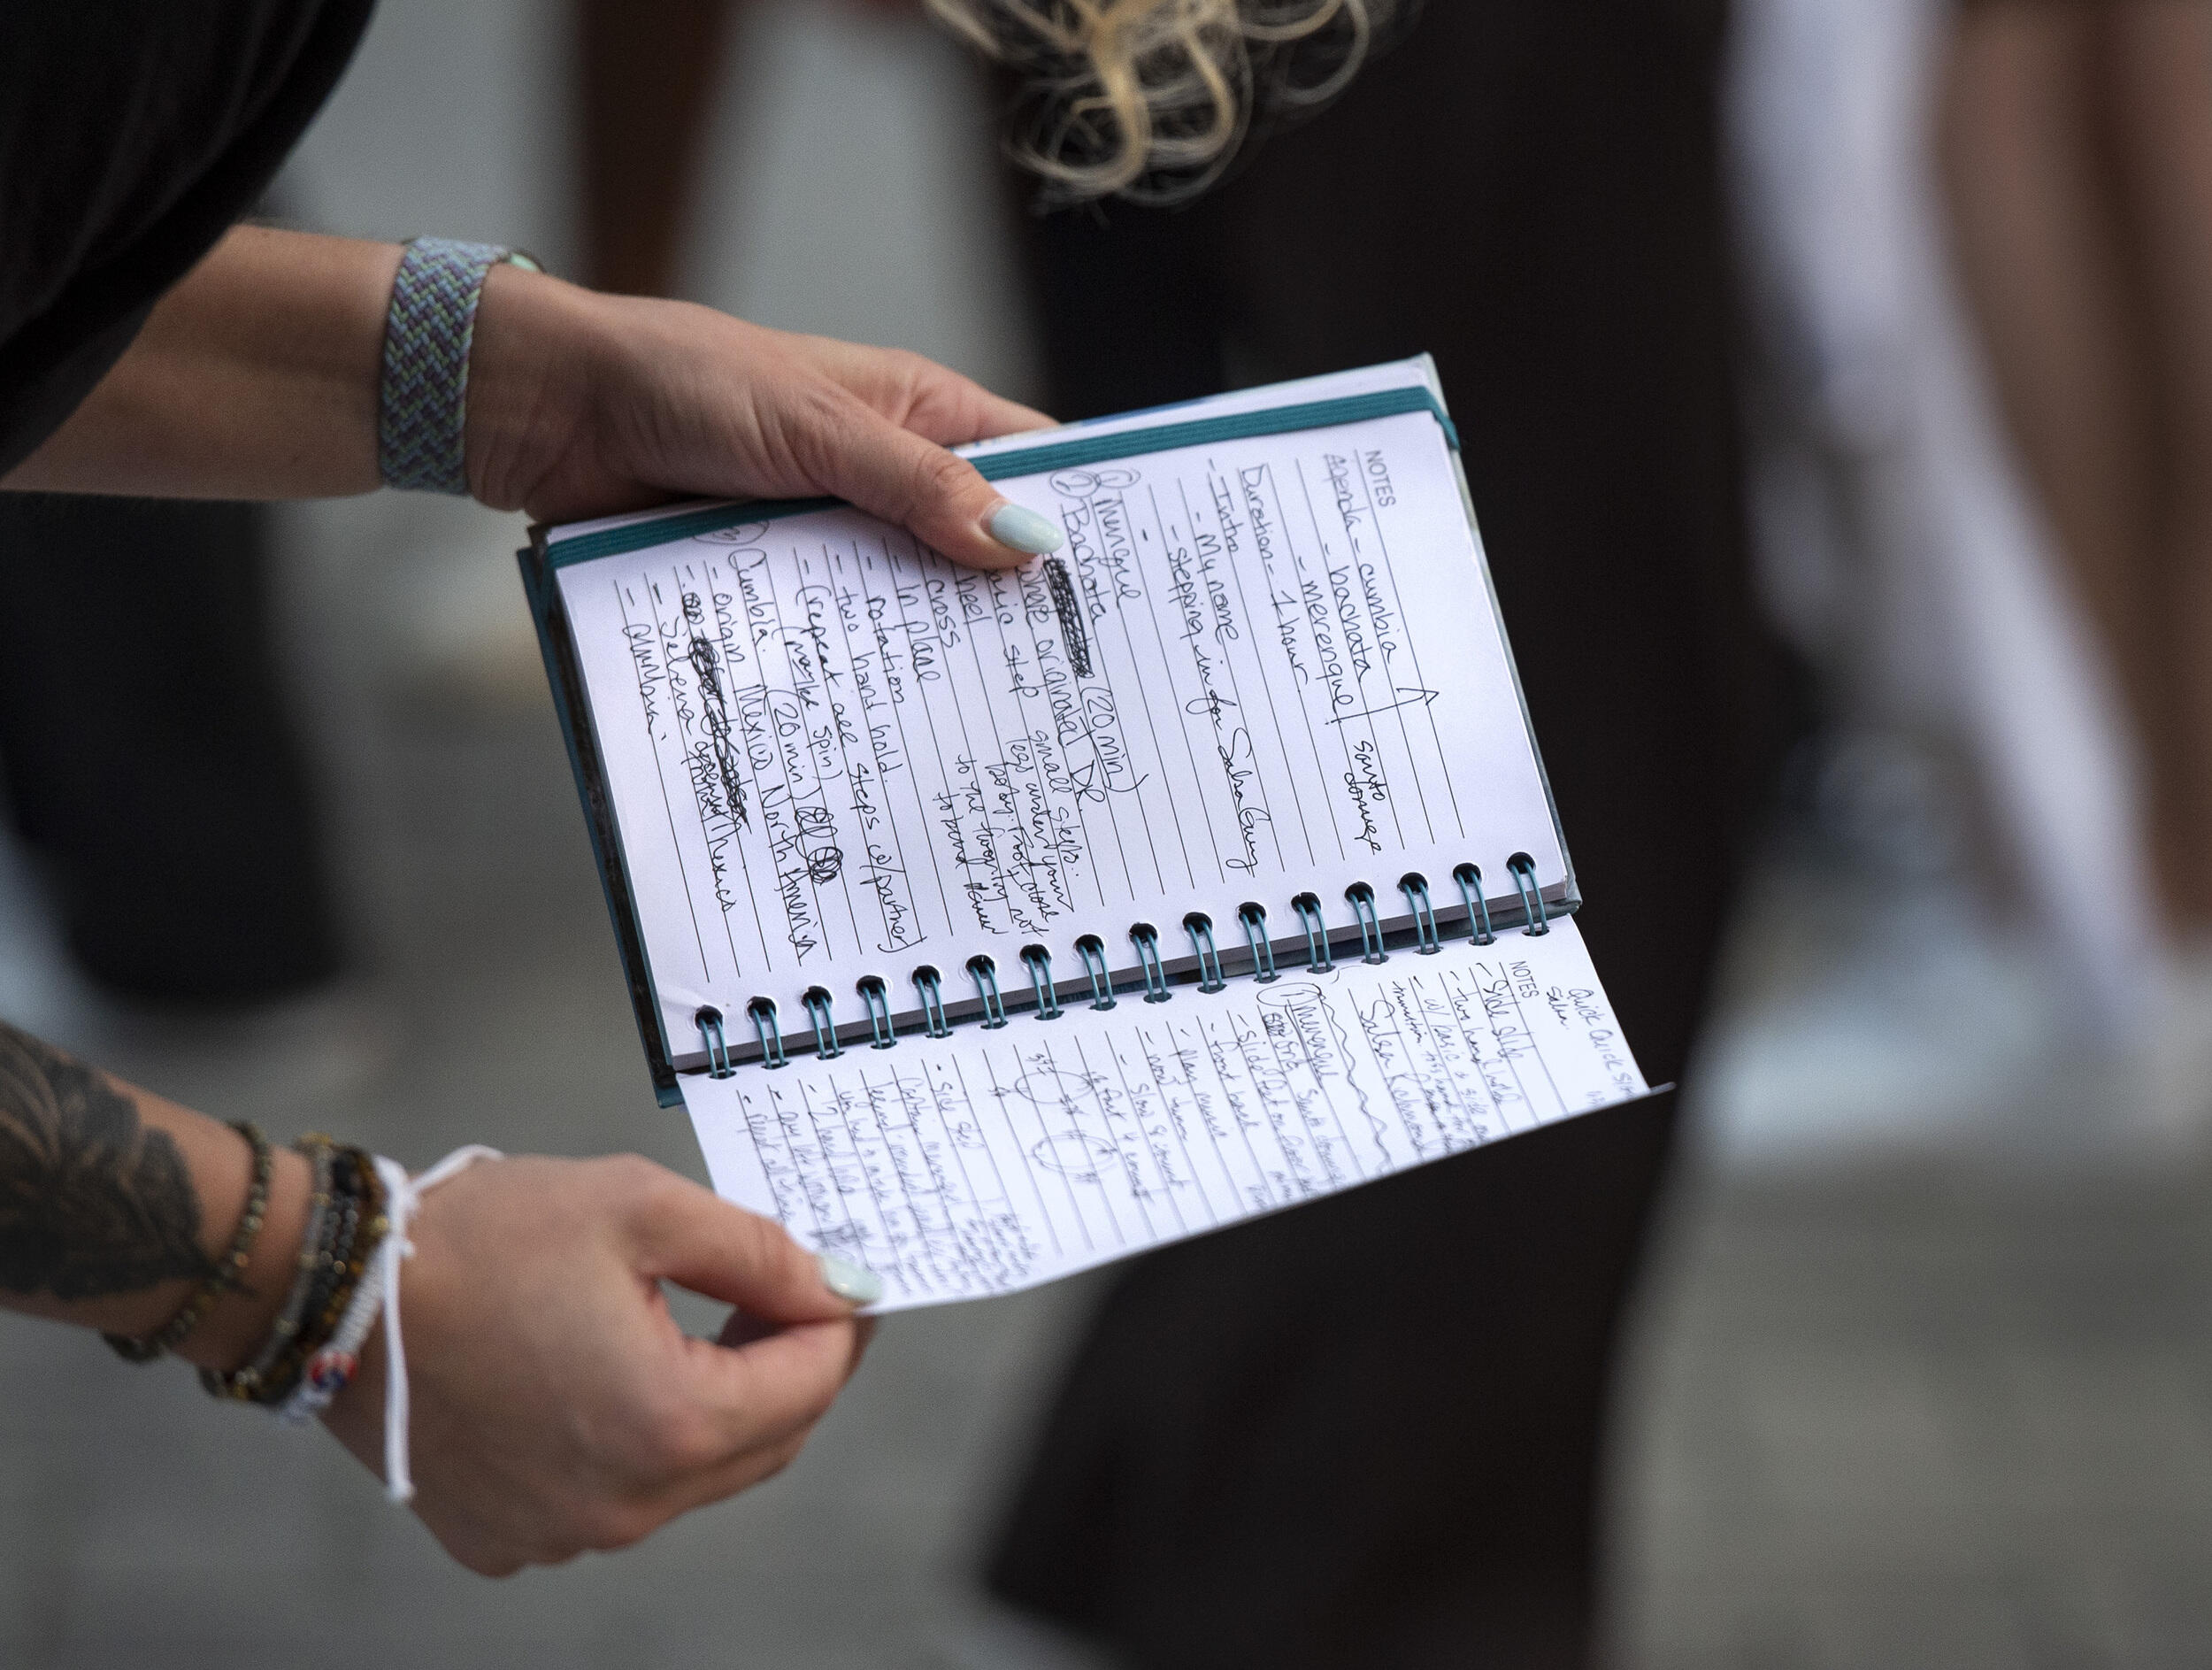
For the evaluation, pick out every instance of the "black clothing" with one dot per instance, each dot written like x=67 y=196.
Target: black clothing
x=1367 y=1433
x=143 y=739
x=132 y=134
x=147 y=750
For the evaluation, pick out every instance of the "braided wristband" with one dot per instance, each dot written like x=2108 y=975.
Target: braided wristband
x=422 y=402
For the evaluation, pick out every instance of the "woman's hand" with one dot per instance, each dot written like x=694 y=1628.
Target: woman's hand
x=556 y=1405
x=585 y=404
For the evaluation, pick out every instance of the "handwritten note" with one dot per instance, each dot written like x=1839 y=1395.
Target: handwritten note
x=1257 y=668
x=992 y=1160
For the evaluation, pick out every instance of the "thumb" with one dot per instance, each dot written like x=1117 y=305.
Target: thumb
x=940 y=498
x=692 y=1236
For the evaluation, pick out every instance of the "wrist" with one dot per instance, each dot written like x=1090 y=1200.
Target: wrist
x=535 y=337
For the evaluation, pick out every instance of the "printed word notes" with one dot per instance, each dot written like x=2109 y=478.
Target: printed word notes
x=1000 y=1158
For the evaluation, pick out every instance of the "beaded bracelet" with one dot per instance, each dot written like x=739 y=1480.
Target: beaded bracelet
x=228 y=1276
x=347 y=1224
x=273 y=1372
x=366 y=1227
x=352 y=1267
x=326 y=1353
x=240 y=1383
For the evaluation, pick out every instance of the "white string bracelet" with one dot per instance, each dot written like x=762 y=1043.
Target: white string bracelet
x=402 y=1196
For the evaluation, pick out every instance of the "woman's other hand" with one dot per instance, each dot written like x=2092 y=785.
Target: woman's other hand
x=556 y=1405
x=584 y=404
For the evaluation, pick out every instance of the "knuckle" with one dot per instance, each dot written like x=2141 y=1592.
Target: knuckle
x=650 y=1190
x=739 y=1238
x=911 y=374
x=822 y=431
x=769 y=1243
x=939 y=476
x=606 y=1525
x=629 y=1172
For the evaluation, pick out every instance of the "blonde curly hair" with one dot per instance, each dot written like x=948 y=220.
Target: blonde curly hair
x=1150 y=99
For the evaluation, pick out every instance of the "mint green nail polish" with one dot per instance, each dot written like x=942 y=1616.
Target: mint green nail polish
x=1019 y=529
x=848 y=1281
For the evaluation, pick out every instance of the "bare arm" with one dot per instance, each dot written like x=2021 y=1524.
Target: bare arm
x=257 y=377
x=115 y=1204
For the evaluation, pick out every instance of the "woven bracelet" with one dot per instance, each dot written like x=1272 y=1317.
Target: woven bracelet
x=422 y=400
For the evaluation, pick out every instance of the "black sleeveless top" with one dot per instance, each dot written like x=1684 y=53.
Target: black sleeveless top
x=132 y=134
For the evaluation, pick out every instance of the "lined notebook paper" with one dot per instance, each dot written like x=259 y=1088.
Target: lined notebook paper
x=995 y=1160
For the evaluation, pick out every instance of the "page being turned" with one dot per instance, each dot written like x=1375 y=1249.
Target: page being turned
x=996 y=1159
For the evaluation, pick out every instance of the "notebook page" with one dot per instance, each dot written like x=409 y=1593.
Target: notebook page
x=1258 y=667
x=995 y=1160
x=1417 y=373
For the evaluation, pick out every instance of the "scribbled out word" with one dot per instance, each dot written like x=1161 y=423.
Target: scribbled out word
x=1061 y=584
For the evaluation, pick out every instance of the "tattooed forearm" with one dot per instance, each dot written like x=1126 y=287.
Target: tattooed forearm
x=91 y=1202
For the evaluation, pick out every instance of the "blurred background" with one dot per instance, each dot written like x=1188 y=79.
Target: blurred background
x=1921 y=1373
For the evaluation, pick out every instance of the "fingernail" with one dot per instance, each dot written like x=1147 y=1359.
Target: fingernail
x=848 y=1281
x=1021 y=529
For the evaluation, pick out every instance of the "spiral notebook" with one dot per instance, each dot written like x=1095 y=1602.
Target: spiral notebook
x=995 y=926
